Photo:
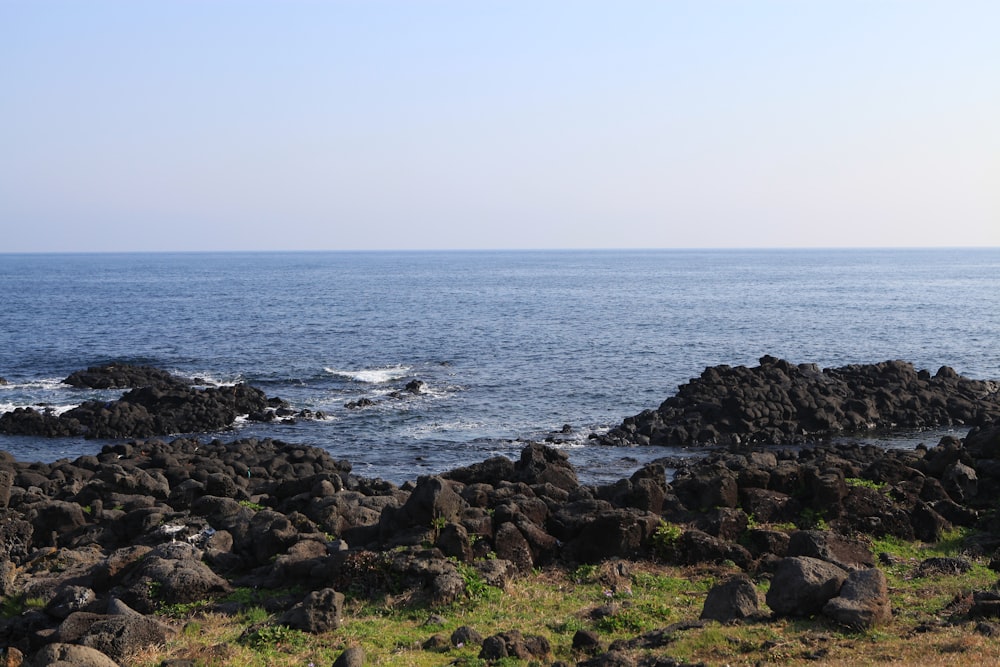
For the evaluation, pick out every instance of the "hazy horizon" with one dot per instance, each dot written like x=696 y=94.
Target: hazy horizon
x=220 y=126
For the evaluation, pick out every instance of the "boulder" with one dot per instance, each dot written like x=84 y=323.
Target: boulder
x=70 y=655
x=320 y=611
x=513 y=644
x=863 y=601
x=466 y=636
x=732 y=600
x=351 y=657
x=170 y=574
x=124 y=635
x=802 y=585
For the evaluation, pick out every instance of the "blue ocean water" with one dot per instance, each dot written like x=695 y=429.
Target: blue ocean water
x=511 y=345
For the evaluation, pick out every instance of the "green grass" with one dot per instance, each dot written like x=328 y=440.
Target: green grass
x=633 y=597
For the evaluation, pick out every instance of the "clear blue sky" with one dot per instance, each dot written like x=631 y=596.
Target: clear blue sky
x=246 y=125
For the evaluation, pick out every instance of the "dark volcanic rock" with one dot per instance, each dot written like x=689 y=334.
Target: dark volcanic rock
x=802 y=585
x=319 y=612
x=863 y=601
x=732 y=600
x=124 y=376
x=779 y=402
x=158 y=403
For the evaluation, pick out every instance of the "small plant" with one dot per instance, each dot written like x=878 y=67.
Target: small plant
x=268 y=638
x=254 y=615
x=584 y=574
x=567 y=627
x=11 y=606
x=476 y=589
x=183 y=609
x=665 y=539
x=155 y=589
x=15 y=605
x=626 y=619
x=256 y=507
x=865 y=483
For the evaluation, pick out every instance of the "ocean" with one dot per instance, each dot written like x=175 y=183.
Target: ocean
x=511 y=345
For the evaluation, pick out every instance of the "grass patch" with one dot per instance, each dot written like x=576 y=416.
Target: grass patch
x=616 y=603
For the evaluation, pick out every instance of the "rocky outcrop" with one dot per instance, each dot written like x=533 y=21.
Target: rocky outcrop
x=124 y=376
x=157 y=404
x=782 y=403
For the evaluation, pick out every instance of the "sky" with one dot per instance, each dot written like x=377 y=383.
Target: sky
x=225 y=125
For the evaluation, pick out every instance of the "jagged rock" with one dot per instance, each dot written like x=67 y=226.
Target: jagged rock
x=863 y=601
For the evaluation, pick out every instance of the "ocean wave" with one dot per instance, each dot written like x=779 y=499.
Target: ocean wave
x=207 y=380
x=40 y=383
x=372 y=375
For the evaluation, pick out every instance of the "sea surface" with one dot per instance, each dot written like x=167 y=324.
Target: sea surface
x=512 y=345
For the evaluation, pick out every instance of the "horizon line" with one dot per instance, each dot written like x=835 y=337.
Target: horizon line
x=492 y=250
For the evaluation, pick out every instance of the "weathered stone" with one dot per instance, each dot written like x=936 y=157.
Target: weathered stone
x=466 y=636
x=732 y=600
x=69 y=655
x=863 y=601
x=320 y=611
x=351 y=657
x=802 y=585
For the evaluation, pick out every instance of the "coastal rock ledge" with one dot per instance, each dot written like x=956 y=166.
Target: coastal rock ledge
x=779 y=402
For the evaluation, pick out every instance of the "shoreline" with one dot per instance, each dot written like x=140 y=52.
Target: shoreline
x=96 y=550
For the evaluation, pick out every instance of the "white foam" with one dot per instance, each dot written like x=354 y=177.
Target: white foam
x=41 y=383
x=372 y=375
x=206 y=380
x=54 y=409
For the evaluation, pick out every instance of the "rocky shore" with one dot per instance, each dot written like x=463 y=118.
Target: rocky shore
x=101 y=544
